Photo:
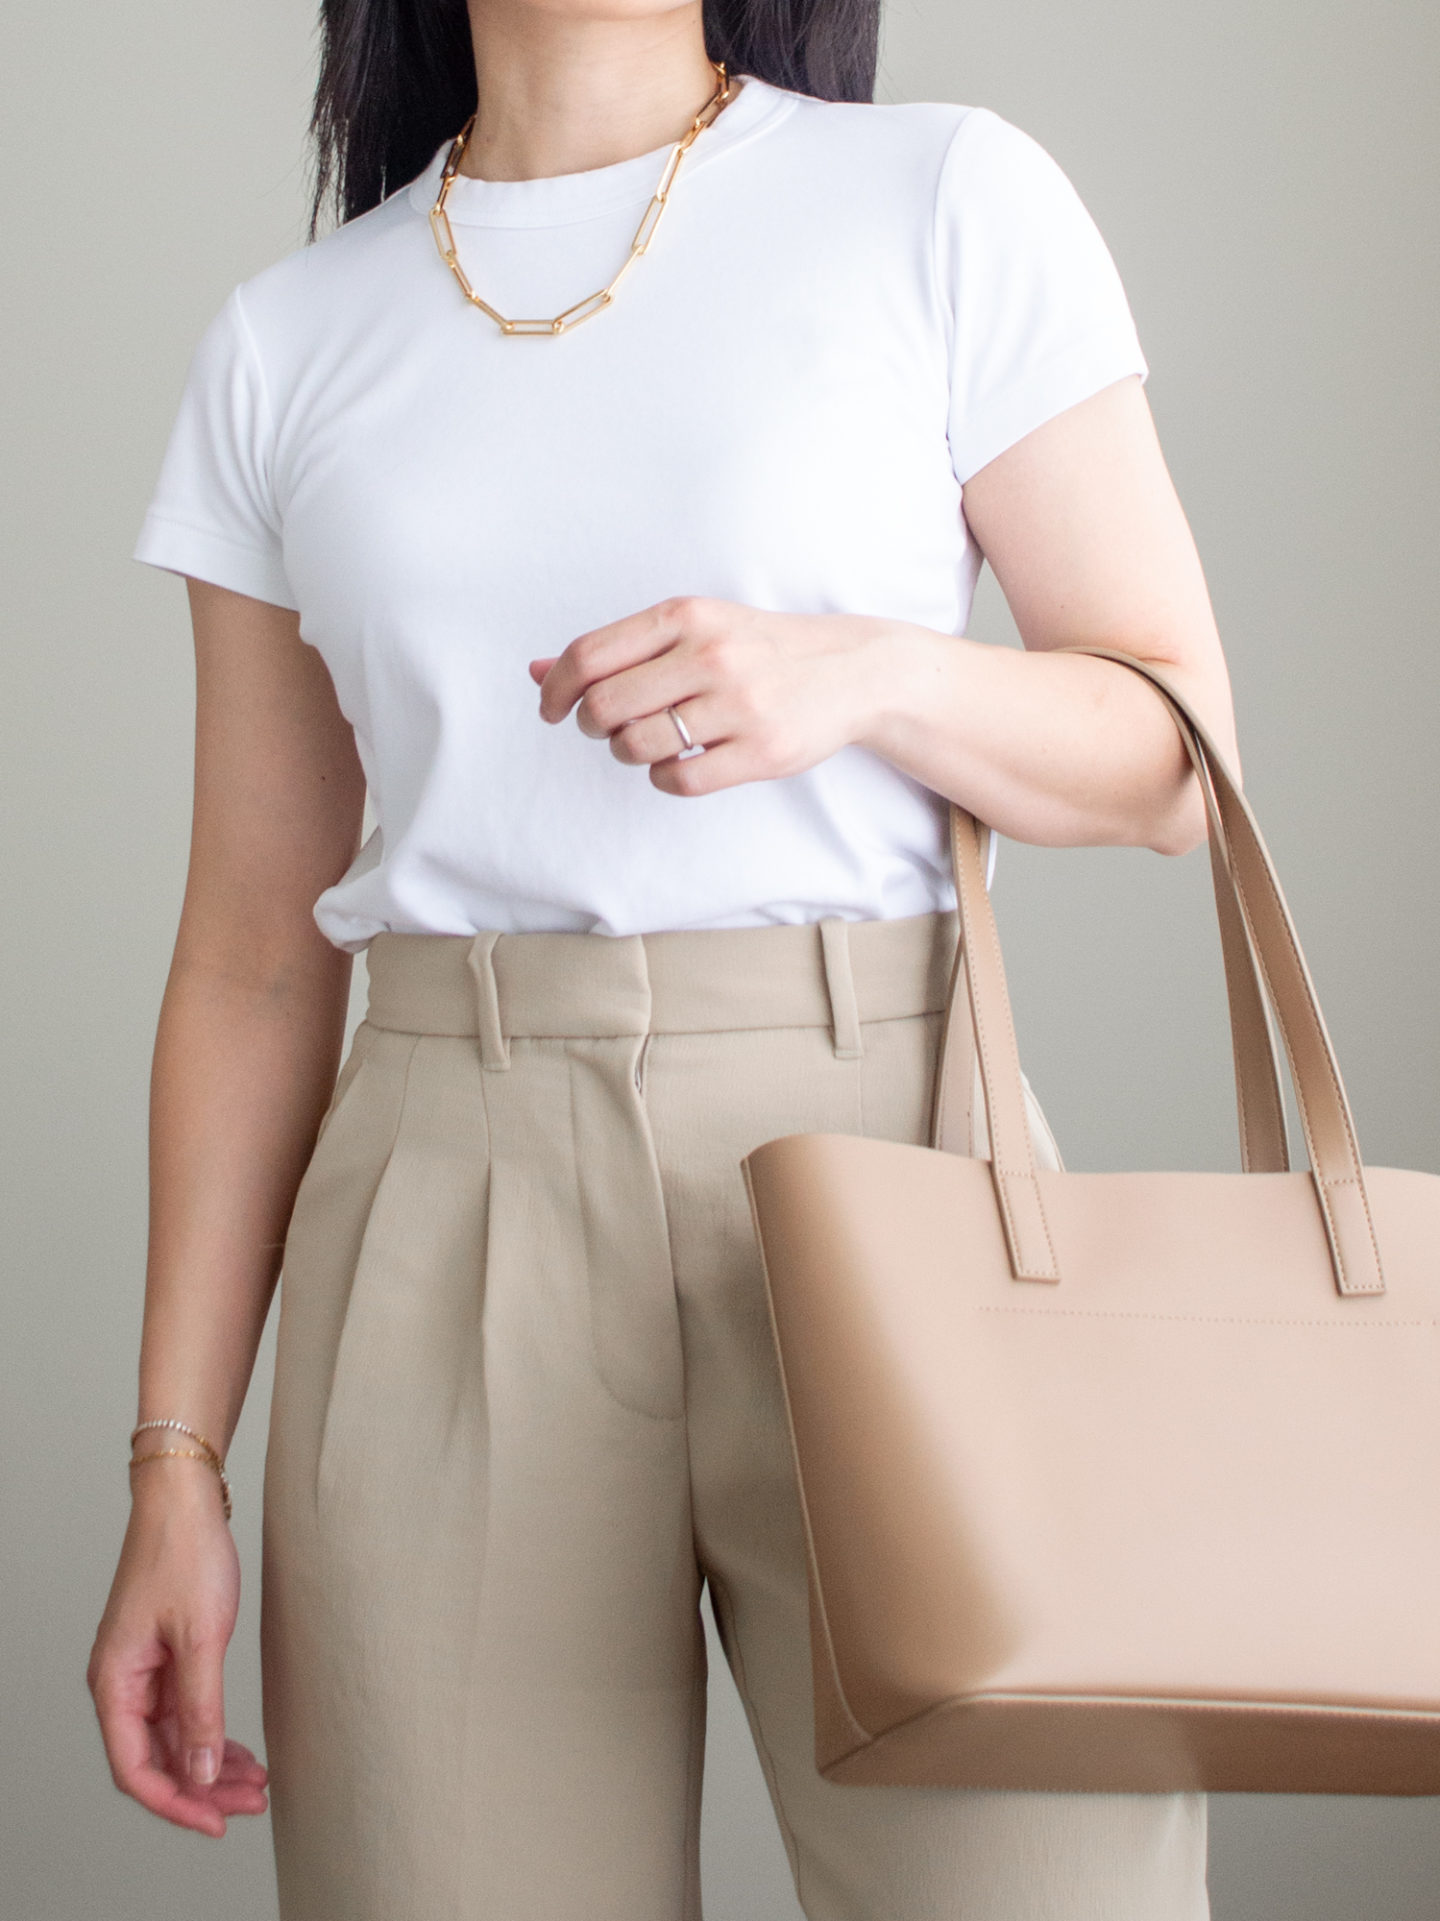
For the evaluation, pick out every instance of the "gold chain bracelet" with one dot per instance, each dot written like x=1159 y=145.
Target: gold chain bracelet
x=205 y=1452
x=594 y=303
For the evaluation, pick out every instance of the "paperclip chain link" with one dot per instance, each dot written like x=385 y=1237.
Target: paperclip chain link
x=596 y=302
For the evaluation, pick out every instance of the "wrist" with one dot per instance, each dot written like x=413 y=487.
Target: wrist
x=176 y=1486
x=166 y=1442
x=903 y=683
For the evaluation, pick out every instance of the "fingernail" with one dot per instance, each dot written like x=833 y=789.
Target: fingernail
x=203 y=1766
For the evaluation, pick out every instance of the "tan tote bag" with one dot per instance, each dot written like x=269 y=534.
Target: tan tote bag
x=1117 y=1481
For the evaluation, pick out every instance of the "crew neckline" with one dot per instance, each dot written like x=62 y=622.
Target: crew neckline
x=555 y=200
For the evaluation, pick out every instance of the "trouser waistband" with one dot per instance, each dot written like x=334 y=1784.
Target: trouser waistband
x=831 y=973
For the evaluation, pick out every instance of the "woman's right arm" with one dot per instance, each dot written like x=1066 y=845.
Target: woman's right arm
x=246 y=1053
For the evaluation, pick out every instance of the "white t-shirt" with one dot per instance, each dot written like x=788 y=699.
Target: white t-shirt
x=848 y=310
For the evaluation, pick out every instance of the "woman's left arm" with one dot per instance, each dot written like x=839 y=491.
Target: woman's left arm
x=1082 y=526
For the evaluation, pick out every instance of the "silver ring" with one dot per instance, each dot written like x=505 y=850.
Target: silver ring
x=686 y=737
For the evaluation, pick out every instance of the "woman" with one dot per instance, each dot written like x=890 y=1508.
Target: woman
x=646 y=637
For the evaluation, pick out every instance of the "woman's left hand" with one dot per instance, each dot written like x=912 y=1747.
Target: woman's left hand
x=764 y=694
x=1081 y=526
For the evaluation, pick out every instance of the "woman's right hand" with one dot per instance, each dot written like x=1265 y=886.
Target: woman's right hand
x=157 y=1665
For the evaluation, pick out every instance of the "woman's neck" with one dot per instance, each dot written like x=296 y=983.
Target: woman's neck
x=563 y=94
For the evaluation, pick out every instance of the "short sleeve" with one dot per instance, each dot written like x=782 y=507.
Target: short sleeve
x=213 y=511
x=1040 y=317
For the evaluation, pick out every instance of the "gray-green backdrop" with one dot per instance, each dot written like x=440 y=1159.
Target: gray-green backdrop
x=1266 y=174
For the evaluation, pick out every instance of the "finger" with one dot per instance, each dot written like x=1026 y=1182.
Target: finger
x=728 y=764
x=540 y=668
x=138 y=1762
x=126 y=1691
x=198 y=1653
x=240 y=1764
x=635 y=694
x=157 y=1791
x=162 y=1787
x=606 y=650
x=240 y=1787
x=654 y=737
x=237 y=1797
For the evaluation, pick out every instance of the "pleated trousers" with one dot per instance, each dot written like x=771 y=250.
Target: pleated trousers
x=526 y=1402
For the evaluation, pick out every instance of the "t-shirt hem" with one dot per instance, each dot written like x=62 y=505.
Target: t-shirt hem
x=1046 y=391
x=217 y=558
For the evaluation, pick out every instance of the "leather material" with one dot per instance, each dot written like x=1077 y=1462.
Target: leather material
x=1169 y=1520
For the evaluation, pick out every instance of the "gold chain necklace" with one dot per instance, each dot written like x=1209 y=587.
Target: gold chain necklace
x=644 y=233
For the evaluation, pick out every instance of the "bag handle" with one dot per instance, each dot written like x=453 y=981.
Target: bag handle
x=1260 y=1103
x=1249 y=901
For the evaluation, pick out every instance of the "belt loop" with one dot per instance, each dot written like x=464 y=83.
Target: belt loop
x=840 y=984
x=494 y=1048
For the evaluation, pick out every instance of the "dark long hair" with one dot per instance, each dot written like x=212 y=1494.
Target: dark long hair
x=398 y=76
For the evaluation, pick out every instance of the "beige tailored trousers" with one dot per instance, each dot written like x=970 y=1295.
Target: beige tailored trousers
x=526 y=1402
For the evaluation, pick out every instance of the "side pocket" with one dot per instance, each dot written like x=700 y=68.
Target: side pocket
x=361 y=1044
x=353 y=1062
